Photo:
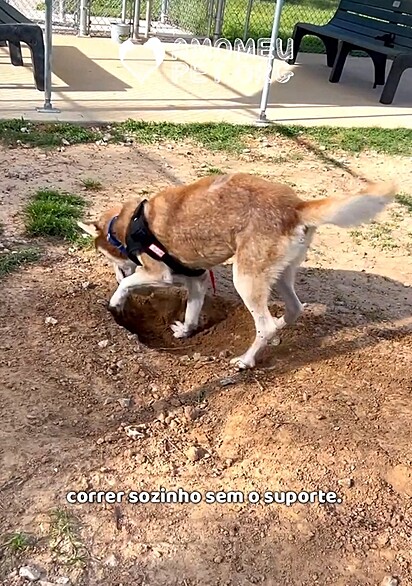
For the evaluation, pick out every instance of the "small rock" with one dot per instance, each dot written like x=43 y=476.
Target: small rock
x=50 y=321
x=197 y=356
x=86 y=284
x=320 y=417
x=390 y=581
x=348 y=482
x=225 y=382
x=185 y=358
x=224 y=354
x=111 y=561
x=65 y=142
x=124 y=402
x=194 y=454
x=191 y=413
x=135 y=431
x=161 y=417
x=100 y=441
x=29 y=572
x=218 y=559
x=103 y=343
x=63 y=581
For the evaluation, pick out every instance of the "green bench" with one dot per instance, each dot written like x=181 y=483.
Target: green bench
x=380 y=28
x=15 y=29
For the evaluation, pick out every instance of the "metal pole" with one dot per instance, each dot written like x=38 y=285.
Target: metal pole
x=48 y=31
x=148 y=17
x=269 y=70
x=136 y=19
x=164 y=11
x=124 y=11
x=83 y=18
x=248 y=13
x=219 y=19
x=210 y=9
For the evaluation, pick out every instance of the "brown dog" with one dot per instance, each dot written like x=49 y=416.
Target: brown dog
x=264 y=226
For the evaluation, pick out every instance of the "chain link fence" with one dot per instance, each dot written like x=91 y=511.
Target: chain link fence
x=242 y=19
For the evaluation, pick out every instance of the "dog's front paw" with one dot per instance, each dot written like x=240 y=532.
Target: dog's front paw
x=240 y=363
x=180 y=330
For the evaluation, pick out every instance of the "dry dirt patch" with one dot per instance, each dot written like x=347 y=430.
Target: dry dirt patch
x=87 y=406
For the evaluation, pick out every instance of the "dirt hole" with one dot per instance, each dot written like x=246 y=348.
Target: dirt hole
x=149 y=316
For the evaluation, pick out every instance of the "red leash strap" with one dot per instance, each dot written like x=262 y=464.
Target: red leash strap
x=212 y=279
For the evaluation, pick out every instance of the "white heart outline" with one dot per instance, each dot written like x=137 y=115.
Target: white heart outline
x=158 y=51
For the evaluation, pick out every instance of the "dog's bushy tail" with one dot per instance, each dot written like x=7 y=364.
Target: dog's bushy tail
x=351 y=210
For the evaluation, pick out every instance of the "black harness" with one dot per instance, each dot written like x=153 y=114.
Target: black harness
x=140 y=239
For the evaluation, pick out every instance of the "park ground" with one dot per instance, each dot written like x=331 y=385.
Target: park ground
x=87 y=404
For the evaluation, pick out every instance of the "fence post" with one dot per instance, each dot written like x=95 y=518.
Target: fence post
x=136 y=19
x=247 y=21
x=124 y=11
x=219 y=19
x=148 y=17
x=84 y=21
x=210 y=9
x=164 y=11
x=48 y=47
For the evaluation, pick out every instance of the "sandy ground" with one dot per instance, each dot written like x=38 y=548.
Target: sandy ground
x=329 y=409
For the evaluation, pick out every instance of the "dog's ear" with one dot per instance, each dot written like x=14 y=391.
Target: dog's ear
x=91 y=229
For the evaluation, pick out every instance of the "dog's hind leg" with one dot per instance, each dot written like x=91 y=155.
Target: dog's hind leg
x=286 y=285
x=254 y=290
x=196 y=292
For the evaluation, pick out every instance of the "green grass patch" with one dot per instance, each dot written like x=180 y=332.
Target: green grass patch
x=65 y=540
x=11 y=261
x=391 y=141
x=405 y=200
x=54 y=213
x=16 y=543
x=14 y=132
x=91 y=184
x=378 y=234
x=231 y=138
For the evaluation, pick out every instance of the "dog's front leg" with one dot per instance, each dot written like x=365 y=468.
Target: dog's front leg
x=196 y=292
x=140 y=278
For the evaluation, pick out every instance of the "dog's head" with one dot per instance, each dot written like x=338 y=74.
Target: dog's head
x=98 y=230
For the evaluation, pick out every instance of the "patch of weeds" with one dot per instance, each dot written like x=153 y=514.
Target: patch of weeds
x=214 y=136
x=211 y=171
x=11 y=261
x=357 y=235
x=16 y=543
x=278 y=159
x=391 y=141
x=54 y=213
x=84 y=242
x=377 y=234
x=64 y=538
x=15 y=132
x=405 y=200
x=92 y=184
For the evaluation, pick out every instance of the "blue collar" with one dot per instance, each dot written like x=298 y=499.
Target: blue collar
x=112 y=238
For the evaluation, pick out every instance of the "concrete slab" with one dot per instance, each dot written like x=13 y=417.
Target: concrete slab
x=91 y=83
